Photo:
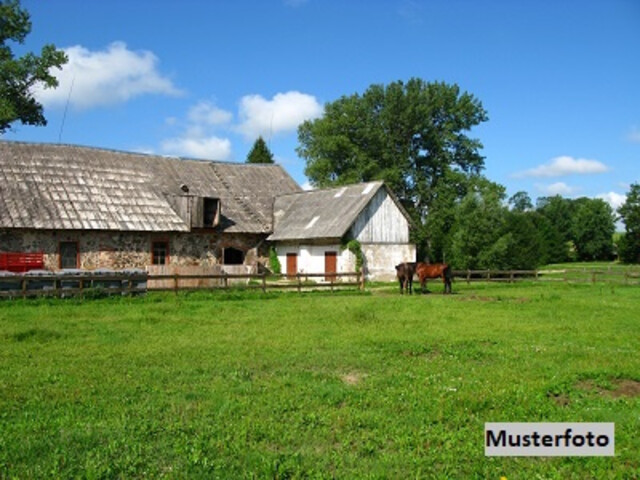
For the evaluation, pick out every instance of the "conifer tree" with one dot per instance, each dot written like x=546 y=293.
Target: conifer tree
x=260 y=153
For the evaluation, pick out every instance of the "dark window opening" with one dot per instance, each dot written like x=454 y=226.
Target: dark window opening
x=210 y=212
x=160 y=253
x=233 y=256
x=68 y=254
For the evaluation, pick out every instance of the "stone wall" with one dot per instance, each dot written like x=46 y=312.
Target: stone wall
x=118 y=250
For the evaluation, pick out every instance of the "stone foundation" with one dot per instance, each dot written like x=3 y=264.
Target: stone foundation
x=119 y=250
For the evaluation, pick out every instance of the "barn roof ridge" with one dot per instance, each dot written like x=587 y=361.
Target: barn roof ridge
x=328 y=189
x=142 y=154
x=71 y=187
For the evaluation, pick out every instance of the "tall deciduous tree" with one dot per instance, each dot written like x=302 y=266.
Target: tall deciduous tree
x=629 y=247
x=260 y=153
x=18 y=76
x=412 y=135
x=593 y=228
x=521 y=202
x=479 y=239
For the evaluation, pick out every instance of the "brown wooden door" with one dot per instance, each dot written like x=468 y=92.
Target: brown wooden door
x=292 y=264
x=330 y=265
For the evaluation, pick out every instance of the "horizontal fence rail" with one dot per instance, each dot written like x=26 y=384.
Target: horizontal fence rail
x=627 y=277
x=262 y=281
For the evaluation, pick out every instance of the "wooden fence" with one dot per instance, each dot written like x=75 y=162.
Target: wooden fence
x=626 y=277
x=64 y=285
x=263 y=281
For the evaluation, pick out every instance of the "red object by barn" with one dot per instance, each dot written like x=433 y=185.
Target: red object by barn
x=19 y=262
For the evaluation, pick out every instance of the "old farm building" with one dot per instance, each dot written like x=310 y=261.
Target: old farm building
x=89 y=208
x=310 y=228
x=92 y=208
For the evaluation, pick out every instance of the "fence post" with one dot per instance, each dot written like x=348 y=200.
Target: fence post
x=593 y=277
x=361 y=279
x=468 y=276
x=264 y=282
x=175 y=283
x=24 y=287
x=299 y=282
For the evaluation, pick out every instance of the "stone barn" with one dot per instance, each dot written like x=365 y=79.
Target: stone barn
x=309 y=230
x=89 y=208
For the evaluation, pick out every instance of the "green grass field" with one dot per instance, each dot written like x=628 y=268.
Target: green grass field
x=288 y=385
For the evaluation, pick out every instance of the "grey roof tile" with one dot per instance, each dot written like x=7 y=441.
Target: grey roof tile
x=53 y=186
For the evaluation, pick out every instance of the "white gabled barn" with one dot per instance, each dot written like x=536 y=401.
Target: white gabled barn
x=310 y=227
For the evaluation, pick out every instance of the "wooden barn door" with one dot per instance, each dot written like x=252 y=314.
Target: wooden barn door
x=330 y=265
x=292 y=264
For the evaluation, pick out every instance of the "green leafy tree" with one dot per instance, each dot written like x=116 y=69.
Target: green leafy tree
x=260 y=153
x=558 y=230
x=18 y=76
x=479 y=238
x=553 y=247
x=593 y=226
x=521 y=202
x=412 y=135
x=526 y=246
x=629 y=244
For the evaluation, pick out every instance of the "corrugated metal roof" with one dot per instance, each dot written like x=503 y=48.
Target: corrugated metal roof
x=47 y=186
x=319 y=214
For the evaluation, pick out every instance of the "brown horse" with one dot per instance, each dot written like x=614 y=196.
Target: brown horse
x=434 y=270
x=405 y=272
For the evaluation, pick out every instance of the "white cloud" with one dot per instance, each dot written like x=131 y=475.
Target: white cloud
x=283 y=113
x=307 y=185
x=558 y=188
x=205 y=113
x=612 y=198
x=211 y=148
x=106 y=77
x=565 y=165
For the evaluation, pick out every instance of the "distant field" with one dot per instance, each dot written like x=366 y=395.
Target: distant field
x=315 y=385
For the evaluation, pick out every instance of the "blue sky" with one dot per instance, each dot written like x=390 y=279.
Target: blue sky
x=560 y=79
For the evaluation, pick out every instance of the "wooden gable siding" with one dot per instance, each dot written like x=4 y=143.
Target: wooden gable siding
x=381 y=221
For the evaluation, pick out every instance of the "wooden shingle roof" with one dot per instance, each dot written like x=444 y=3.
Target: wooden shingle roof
x=47 y=186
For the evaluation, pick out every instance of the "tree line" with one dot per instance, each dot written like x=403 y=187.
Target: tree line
x=415 y=137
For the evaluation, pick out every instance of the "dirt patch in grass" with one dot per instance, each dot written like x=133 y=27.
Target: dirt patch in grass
x=626 y=388
x=621 y=387
x=353 y=378
x=615 y=388
x=560 y=399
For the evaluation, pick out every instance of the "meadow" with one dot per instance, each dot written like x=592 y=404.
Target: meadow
x=315 y=385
